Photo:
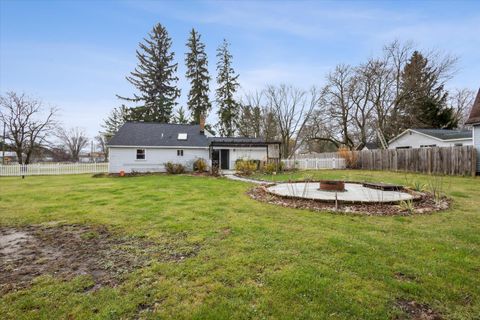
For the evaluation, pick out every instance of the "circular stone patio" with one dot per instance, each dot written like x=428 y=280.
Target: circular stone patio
x=354 y=192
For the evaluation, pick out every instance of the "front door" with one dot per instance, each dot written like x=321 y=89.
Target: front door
x=224 y=159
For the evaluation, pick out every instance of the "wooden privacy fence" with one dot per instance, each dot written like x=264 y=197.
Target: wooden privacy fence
x=37 y=169
x=439 y=160
x=315 y=164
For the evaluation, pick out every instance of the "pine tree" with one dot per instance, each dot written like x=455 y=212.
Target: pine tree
x=113 y=122
x=227 y=86
x=424 y=99
x=181 y=117
x=154 y=78
x=197 y=72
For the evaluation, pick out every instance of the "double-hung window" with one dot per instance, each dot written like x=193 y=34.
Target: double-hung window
x=179 y=153
x=140 y=154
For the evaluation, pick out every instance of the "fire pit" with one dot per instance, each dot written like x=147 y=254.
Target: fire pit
x=332 y=185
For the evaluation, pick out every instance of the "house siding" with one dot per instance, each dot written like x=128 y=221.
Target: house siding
x=416 y=140
x=124 y=158
x=476 y=143
x=250 y=153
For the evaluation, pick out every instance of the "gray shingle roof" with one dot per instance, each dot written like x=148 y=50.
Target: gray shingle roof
x=474 y=117
x=446 y=134
x=154 y=134
x=158 y=135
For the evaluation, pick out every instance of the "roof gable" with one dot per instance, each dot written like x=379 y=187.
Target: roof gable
x=438 y=134
x=474 y=117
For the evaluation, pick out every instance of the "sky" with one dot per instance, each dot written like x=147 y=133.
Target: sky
x=74 y=55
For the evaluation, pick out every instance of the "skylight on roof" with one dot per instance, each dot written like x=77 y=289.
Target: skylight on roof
x=182 y=136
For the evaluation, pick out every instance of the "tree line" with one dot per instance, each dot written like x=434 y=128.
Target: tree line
x=155 y=82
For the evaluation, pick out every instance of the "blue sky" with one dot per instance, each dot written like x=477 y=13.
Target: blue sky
x=75 y=54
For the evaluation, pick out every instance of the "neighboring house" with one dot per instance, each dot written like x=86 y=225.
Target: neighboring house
x=474 y=120
x=10 y=157
x=147 y=146
x=370 y=146
x=427 y=138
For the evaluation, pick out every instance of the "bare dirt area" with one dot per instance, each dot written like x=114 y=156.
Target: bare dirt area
x=423 y=203
x=416 y=311
x=70 y=250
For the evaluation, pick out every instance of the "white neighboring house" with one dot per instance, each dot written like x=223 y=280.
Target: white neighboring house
x=147 y=146
x=474 y=121
x=427 y=138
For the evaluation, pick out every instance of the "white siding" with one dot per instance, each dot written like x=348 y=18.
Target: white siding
x=476 y=143
x=124 y=158
x=416 y=140
x=254 y=153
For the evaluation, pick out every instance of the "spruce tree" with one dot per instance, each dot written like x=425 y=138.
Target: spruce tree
x=197 y=72
x=227 y=82
x=113 y=122
x=181 y=117
x=154 y=78
x=423 y=97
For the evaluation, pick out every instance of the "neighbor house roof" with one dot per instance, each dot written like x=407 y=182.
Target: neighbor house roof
x=475 y=112
x=156 y=134
x=439 y=134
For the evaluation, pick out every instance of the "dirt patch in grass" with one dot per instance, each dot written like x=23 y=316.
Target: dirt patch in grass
x=424 y=203
x=416 y=311
x=70 y=250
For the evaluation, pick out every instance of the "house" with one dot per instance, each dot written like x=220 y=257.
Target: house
x=369 y=146
x=474 y=121
x=425 y=138
x=8 y=157
x=147 y=146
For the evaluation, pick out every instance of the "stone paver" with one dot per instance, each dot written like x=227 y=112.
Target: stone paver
x=237 y=178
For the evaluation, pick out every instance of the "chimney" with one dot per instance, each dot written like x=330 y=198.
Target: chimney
x=202 y=124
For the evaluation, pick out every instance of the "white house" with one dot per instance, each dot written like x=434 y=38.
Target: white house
x=147 y=146
x=425 y=138
x=474 y=120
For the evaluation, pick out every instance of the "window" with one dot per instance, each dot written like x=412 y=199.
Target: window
x=182 y=136
x=140 y=154
x=428 y=145
x=458 y=144
x=179 y=153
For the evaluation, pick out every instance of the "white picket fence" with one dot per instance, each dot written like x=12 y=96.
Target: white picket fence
x=314 y=164
x=37 y=169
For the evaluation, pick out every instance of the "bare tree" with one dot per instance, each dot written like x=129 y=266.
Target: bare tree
x=461 y=101
x=102 y=145
x=28 y=123
x=73 y=140
x=292 y=108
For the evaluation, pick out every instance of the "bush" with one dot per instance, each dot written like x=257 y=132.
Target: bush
x=174 y=168
x=200 y=165
x=272 y=167
x=245 y=167
x=349 y=156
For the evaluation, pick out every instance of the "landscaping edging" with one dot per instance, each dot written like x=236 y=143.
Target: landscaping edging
x=422 y=203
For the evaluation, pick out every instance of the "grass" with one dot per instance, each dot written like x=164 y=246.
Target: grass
x=255 y=260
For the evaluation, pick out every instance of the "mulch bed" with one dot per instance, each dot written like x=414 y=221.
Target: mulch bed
x=71 y=250
x=424 y=202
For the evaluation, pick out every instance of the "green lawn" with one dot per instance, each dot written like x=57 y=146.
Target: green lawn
x=255 y=260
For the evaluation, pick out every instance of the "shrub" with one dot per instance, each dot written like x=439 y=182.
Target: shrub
x=272 y=167
x=349 y=156
x=174 y=168
x=245 y=167
x=215 y=171
x=407 y=206
x=200 y=165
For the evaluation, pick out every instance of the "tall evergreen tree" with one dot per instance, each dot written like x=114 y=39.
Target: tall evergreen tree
x=227 y=82
x=424 y=99
x=181 y=116
x=154 y=78
x=113 y=122
x=197 y=72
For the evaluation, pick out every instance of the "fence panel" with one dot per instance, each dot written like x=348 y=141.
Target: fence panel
x=37 y=169
x=439 y=160
x=314 y=164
